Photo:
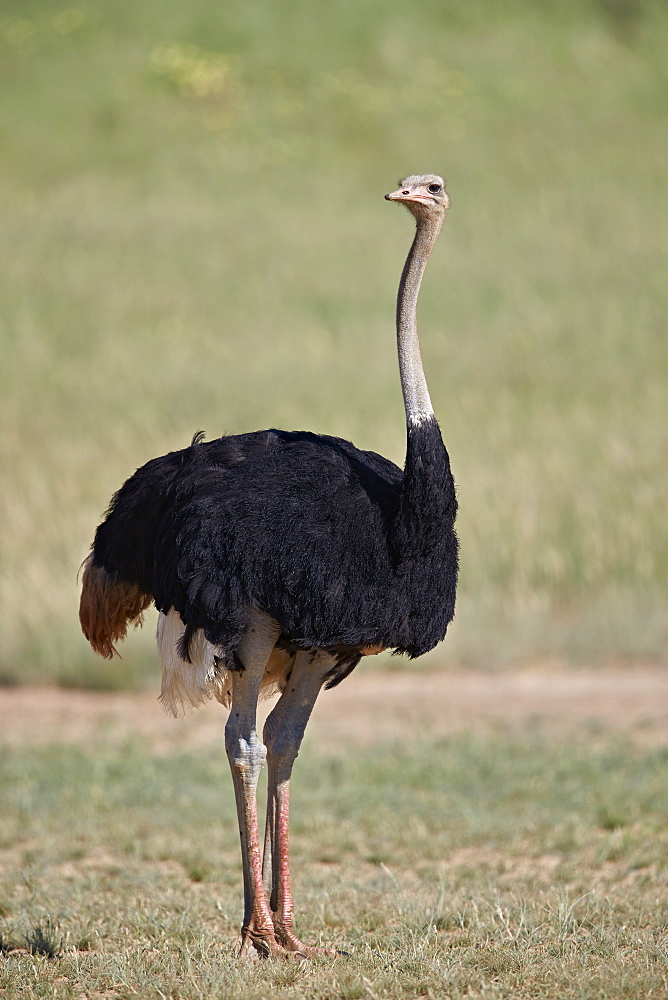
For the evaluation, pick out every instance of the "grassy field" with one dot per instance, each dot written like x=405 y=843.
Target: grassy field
x=516 y=860
x=194 y=236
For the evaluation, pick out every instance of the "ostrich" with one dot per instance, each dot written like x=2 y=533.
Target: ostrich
x=276 y=561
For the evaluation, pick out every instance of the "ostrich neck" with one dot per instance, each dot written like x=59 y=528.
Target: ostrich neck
x=428 y=503
x=413 y=383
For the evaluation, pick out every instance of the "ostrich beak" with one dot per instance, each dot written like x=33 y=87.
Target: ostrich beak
x=405 y=195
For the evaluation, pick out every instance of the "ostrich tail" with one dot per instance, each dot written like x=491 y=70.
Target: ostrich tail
x=188 y=683
x=107 y=606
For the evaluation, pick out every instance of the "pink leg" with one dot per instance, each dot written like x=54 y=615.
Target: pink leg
x=247 y=755
x=283 y=733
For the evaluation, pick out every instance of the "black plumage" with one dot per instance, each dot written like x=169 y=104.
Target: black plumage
x=338 y=545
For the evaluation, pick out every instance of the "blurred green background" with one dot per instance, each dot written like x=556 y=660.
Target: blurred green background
x=193 y=235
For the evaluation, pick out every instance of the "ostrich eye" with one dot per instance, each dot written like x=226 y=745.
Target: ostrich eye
x=434 y=188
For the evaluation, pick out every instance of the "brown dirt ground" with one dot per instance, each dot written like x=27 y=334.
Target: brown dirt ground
x=368 y=707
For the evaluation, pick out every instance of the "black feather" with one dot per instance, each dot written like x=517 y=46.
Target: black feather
x=338 y=545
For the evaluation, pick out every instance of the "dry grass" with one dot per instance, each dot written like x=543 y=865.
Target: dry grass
x=523 y=859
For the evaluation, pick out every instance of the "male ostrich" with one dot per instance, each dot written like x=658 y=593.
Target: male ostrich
x=277 y=560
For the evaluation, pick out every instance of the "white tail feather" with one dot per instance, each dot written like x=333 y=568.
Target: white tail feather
x=188 y=685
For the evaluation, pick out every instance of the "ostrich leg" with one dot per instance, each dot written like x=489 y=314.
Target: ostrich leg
x=283 y=733
x=246 y=755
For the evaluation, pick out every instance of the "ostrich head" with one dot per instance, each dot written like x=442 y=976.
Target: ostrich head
x=423 y=195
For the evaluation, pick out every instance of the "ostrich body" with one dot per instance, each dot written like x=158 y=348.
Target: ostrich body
x=277 y=560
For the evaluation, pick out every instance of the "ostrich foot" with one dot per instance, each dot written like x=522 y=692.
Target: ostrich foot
x=292 y=944
x=258 y=941
x=262 y=942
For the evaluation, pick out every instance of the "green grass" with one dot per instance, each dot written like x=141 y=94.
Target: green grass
x=194 y=236
x=495 y=866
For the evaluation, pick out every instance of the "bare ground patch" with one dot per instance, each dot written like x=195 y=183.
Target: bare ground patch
x=369 y=707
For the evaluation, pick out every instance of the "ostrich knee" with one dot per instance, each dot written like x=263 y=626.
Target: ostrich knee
x=282 y=747
x=246 y=754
